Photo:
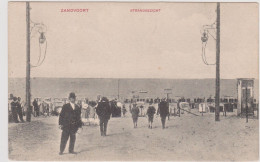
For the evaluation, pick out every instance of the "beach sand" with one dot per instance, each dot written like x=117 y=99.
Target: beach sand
x=187 y=137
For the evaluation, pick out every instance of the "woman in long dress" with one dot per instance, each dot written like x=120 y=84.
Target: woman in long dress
x=91 y=113
x=84 y=112
x=135 y=113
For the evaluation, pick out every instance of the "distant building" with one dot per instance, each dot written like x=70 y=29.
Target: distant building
x=245 y=95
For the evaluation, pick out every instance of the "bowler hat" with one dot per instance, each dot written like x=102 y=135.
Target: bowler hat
x=72 y=95
x=104 y=99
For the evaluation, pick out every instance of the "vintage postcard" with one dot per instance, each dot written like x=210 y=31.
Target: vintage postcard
x=133 y=81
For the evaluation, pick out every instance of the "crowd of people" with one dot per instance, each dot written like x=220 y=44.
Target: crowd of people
x=89 y=109
x=72 y=115
x=70 y=118
x=16 y=110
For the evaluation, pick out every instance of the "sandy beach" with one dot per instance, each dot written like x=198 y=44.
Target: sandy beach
x=187 y=137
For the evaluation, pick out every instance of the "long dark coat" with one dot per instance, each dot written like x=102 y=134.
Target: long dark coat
x=103 y=110
x=163 y=109
x=35 y=105
x=151 y=111
x=70 y=119
x=135 y=112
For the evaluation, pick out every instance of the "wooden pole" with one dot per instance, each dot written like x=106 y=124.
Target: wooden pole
x=217 y=64
x=202 y=110
x=118 y=89
x=179 y=109
x=246 y=106
x=28 y=68
x=168 y=105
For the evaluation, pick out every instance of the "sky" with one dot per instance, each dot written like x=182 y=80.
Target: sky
x=109 y=41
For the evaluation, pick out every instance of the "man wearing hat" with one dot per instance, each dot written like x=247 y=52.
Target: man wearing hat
x=104 y=112
x=69 y=121
x=14 y=108
x=163 y=110
x=36 y=108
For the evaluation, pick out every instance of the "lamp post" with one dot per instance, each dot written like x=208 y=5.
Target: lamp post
x=28 y=67
x=42 y=39
x=204 y=40
x=217 y=64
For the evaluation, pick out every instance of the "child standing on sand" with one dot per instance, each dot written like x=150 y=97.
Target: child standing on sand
x=150 y=113
x=135 y=113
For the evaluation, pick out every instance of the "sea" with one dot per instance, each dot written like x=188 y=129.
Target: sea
x=124 y=88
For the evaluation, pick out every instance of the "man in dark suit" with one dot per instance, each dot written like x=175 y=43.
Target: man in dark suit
x=69 y=121
x=103 y=111
x=14 y=108
x=36 y=108
x=163 y=110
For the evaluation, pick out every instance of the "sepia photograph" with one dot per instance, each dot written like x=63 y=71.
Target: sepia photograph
x=133 y=81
